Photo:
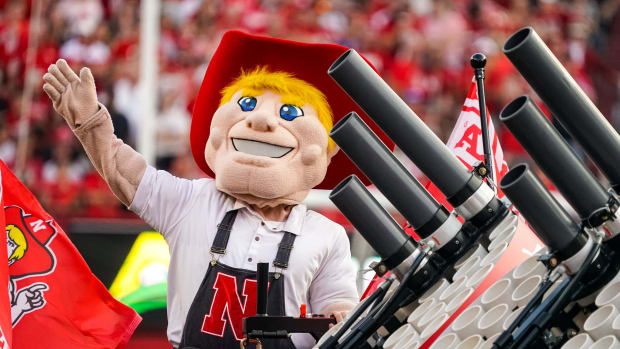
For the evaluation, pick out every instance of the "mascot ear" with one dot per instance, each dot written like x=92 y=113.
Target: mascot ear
x=331 y=152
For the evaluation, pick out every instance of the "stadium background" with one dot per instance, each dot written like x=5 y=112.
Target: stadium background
x=421 y=47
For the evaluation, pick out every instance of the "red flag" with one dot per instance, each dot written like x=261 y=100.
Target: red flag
x=53 y=292
x=466 y=143
x=5 y=305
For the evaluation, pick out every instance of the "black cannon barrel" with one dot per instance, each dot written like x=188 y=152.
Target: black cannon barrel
x=378 y=163
x=566 y=100
x=542 y=211
x=399 y=122
x=372 y=221
x=262 y=282
x=554 y=156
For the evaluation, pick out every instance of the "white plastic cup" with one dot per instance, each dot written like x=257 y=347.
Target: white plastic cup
x=599 y=323
x=505 y=236
x=615 y=326
x=530 y=266
x=610 y=294
x=492 y=321
x=494 y=255
x=433 y=312
x=434 y=291
x=526 y=290
x=466 y=324
x=479 y=276
x=509 y=223
x=511 y=318
x=500 y=292
x=433 y=326
x=479 y=251
x=452 y=290
x=449 y=340
x=471 y=342
x=580 y=341
x=412 y=344
x=488 y=344
x=394 y=338
x=607 y=342
x=420 y=310
x=469 y=267
x=406 y=339
x=458 y=300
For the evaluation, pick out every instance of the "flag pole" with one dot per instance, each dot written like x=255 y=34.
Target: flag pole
x=478 y=61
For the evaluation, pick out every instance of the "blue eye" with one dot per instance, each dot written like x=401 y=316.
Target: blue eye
x=289 y=112
x=247 y=103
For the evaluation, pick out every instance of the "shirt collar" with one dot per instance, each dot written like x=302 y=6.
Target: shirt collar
x=293 y=223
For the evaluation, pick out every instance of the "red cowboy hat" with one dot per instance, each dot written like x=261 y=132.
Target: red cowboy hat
x=308 y=62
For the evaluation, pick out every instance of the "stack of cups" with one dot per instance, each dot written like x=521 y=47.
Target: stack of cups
x=434 y=291
x=449 y=340
x=471 y=342
x=599 y=325
x=530 y=266
x=403 y=334
x=466 y=324
x=504 y=236
x=479 y=251
x=580 y=341
x=500 y=292
x=526 y=290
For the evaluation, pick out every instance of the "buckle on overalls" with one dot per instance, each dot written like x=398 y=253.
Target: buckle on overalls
x=245 y=341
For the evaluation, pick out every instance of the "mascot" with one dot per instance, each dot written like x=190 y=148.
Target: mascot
x=260 y=129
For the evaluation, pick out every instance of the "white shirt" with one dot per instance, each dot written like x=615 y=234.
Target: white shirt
x=186 y=213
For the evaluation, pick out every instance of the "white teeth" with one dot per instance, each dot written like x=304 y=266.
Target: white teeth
x=260 y=148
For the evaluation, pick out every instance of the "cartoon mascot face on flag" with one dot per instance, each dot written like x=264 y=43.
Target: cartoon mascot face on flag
x=28 y=239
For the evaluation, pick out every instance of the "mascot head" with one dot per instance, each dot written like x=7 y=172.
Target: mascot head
x=262 y=117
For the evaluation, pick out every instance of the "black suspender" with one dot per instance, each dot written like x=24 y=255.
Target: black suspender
x=223 y=233
x=284 y=250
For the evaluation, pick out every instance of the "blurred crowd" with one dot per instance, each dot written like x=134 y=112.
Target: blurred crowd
x=421 y=47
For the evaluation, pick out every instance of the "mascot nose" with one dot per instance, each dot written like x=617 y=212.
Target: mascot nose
x=261 y=121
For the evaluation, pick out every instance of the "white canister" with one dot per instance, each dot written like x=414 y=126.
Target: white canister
x=479 y=276
x=452 y=290
x=610 y=294
x=471 y=342
x=499 y=292
x=607 y=342
x=494 y=255
x=526 y=290
x=599 y=323
x=433 y=326
x=492 y=321
x=449 y=340
x=580 y=341
x=401 y=332
x=458 y=300
x=479 y=251
x=430 y=315
x=466 y=324
x=434 y=291
x=420 y=310
x=530 y=266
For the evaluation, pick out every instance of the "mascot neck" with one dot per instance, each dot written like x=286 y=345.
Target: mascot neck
x=276 y=209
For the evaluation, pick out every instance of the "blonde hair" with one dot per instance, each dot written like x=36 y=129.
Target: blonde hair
x=16 y=235
x=294 y=91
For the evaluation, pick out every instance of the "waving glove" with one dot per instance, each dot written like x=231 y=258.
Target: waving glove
x=75 y=98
